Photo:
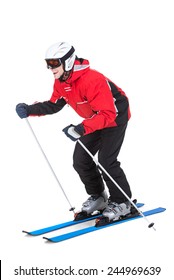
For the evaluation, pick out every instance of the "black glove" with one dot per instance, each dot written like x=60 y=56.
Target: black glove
x=74 y=132
x=22 y=110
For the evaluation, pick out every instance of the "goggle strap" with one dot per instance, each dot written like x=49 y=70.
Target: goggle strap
x=68 y=54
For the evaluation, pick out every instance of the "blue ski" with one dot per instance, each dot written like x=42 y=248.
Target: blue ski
x=66 y=224
x=76 y=233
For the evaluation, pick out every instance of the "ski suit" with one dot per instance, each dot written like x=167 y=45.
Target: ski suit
x=104 y=108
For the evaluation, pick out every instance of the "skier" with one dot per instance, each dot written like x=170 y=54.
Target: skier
x=104 y=108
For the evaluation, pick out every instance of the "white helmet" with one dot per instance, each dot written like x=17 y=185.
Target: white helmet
x=64 y=52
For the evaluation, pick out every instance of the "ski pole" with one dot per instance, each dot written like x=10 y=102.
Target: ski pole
x=116 y=184
x=51 y=168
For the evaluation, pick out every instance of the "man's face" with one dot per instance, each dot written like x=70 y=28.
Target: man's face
x=57 y=72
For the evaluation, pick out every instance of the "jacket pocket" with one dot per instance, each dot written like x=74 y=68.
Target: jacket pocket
x=84 y=109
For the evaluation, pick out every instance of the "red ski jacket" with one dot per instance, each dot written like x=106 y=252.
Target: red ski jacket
x=93 y=96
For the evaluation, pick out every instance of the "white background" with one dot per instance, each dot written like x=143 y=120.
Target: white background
x=131 y=42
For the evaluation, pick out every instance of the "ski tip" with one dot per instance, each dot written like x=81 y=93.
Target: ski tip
x=27 y=232
x=47 y=239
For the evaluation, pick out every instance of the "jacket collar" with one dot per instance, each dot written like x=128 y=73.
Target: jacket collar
x=81 y=66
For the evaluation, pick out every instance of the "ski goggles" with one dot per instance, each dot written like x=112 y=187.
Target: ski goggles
x=53 y=63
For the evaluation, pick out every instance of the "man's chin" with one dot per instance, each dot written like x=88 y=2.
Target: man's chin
x=56 y=77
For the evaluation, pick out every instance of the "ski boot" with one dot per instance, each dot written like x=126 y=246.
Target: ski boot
x=96 y=202
x=115 y=212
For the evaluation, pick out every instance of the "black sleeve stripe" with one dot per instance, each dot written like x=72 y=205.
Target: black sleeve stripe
x=46 y=107
x=121 y=103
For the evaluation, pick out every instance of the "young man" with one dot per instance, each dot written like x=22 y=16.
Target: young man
x=105 y=110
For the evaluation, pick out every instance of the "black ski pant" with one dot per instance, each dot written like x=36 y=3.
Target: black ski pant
x=107 y=142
